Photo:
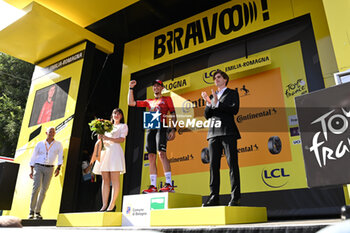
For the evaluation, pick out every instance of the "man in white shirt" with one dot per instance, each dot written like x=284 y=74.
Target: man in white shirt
x=42 y=168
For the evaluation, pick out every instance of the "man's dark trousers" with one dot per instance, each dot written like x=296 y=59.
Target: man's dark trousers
x=217 y=145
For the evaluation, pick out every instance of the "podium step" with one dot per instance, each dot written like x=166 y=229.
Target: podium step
x=137 y=208
x=90 y=219
x=216 y=215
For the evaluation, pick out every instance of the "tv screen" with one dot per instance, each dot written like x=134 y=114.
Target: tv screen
x=50 y=103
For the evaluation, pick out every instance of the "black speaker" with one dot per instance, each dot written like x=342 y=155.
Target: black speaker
x=8 y=178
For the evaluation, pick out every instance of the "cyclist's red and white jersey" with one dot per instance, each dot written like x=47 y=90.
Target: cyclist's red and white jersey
x=164 y=105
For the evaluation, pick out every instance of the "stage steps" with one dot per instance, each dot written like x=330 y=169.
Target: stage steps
x=165 y=209
x=215 y=215
x=90 y=219
x=136 y=210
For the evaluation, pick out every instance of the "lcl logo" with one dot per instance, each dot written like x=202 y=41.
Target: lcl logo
x=275 y=178
x=208 y=76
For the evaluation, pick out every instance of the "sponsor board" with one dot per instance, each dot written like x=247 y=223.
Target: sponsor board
x=249 y=120
x=262 y=120
x=137 y=208
x=324 y=125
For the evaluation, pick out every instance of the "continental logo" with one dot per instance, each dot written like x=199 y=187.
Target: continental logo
x=275 y=178
x=229 y=20
x=249 y=148
x=181 y=159
x=252 y=116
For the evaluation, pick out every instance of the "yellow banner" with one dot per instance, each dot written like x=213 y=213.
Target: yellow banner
x=266 y=117
x=176 y=84
x=244 y=64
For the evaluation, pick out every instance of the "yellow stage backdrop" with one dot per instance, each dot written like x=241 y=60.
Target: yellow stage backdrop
x=61 y=73
x=272 y=84
x=266 y=87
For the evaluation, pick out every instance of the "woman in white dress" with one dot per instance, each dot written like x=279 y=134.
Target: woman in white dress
x=112 y=162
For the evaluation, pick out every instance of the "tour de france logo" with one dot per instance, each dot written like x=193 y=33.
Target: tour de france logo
x=295 y=88
x=151 y=120
x=330 y=124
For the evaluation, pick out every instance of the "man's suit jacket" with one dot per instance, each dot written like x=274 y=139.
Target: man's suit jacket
x=227 y=108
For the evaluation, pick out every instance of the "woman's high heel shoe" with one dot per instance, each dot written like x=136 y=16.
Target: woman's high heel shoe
x=112 y=210
x=103 y=210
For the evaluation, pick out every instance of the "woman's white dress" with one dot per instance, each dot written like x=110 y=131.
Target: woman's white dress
x=112 y=157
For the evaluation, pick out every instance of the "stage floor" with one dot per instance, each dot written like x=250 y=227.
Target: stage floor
x=270 y=226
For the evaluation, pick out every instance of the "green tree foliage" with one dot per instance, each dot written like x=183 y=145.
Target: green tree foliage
x=15 y=78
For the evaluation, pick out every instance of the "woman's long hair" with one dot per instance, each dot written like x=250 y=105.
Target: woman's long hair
x=121 y=112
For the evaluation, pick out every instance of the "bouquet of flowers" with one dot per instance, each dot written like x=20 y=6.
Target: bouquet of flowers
x=100 y=126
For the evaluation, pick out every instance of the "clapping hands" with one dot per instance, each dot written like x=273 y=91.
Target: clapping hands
x=212 y=101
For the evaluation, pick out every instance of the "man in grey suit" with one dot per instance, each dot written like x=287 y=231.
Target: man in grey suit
x=222 y=106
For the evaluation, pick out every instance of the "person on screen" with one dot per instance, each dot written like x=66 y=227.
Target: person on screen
x=111 y=162
x=222 y=106
x=42 y=168
x=46 y=110
x=156 y=139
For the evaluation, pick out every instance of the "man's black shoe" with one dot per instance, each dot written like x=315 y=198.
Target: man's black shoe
x=233 y=203
x=37 y=216
x=212 y=201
